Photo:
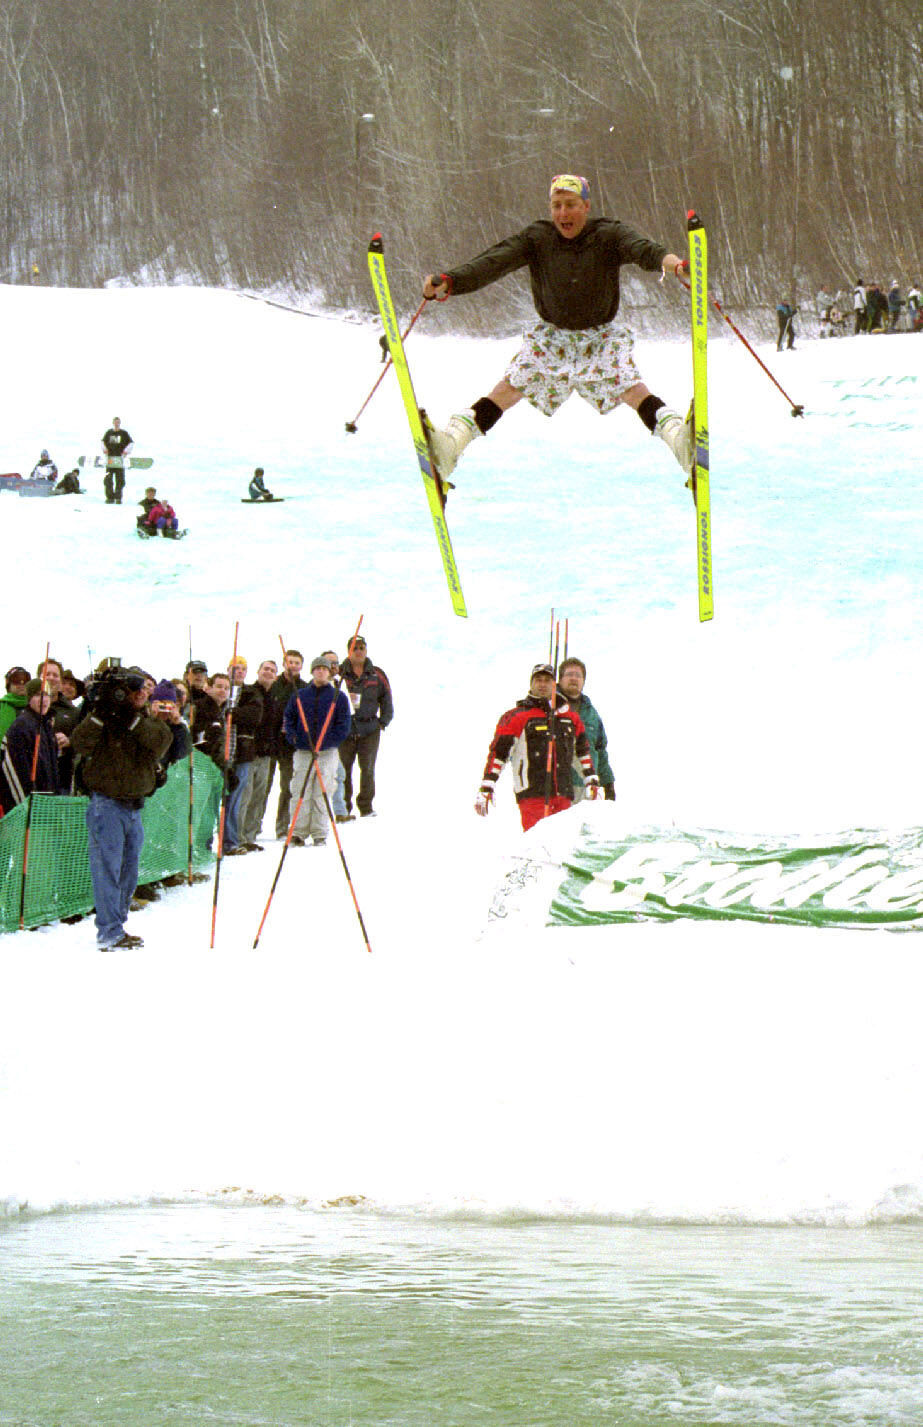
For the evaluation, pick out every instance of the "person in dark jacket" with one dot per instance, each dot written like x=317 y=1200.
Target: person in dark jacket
x=69 y=484
x=14 y=700
x=29 y=742
x=316 y=721
x=147 y=505
x=340 y=811
x=785 y=316
x=64 y=717
x=571 y=678
x=287 y=684
x=244 y=717
x=116 y=444
x=258 y=741
x=524 y=737
x=209 y=713
x=573 y=263
x=373 y=709
x=120 y=746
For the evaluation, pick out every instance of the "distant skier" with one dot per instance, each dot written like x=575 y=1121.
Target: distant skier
x=147 y=504
x=45 y=470
x=257 y=487
x=69 y=484
x=785 y=315
x=116 y=445
x=573 y=262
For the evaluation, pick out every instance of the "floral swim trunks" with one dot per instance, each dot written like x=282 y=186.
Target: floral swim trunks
x=597 y=363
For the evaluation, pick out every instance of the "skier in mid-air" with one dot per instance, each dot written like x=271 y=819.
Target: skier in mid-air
x=573 y=263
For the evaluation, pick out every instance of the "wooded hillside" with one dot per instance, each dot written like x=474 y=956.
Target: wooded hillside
x=261 y=142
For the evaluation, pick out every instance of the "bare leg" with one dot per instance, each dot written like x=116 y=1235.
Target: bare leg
x=634 y=396
x=505 y=395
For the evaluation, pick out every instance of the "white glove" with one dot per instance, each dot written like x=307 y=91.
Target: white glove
x=592 y=787
x=483 y=801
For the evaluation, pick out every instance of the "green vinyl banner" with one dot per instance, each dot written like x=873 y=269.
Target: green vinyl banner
x=858 y=879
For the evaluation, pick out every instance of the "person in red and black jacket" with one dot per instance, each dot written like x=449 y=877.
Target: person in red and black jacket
x=522 y=739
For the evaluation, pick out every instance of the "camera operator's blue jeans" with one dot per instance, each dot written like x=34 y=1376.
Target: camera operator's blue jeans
x=116 y=836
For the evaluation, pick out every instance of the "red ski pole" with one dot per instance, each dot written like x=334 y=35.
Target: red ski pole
x=351 y=426
x=797 y=409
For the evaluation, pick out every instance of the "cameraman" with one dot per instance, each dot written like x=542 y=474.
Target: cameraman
x=120 y=746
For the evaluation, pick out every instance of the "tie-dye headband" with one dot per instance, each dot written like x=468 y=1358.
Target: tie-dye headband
x=571 y=183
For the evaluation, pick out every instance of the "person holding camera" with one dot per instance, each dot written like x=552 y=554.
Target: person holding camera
x=164 y=705
x=121 y=746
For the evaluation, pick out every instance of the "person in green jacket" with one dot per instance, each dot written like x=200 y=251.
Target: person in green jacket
x=571 y=679
x=14 y=700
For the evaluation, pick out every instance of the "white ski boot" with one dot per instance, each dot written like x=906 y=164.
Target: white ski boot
x=678 y=434
x=461 y=429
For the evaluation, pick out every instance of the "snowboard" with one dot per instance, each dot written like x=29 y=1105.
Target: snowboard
x=135 y=463
x=273 y=500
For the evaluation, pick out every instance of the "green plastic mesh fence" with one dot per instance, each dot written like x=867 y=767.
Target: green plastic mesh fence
x=57 y=882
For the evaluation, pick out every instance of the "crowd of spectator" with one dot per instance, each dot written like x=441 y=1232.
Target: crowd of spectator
x=51 y=743
x=873 y=307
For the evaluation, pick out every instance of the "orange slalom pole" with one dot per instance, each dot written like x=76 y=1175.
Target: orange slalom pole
x=294 y=818
x=552 y=746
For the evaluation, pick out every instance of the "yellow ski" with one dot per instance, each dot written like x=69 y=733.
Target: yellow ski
x=698 y=276
x=421 y=443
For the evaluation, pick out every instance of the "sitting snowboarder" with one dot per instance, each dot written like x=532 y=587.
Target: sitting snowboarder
x=257 y=488
x=69 y=484
x=45 y=470
x=160 y=516
x=147 y=505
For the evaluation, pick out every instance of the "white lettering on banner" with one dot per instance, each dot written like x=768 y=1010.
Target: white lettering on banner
x=642 y=861
x=898 y=893
x=677 y=874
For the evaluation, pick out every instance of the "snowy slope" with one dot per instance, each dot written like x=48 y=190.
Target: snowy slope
x=686 y=1071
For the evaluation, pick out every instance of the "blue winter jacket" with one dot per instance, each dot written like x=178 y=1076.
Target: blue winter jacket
x=315 y=703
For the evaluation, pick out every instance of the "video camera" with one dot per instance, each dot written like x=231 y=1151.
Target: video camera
x=110 y=689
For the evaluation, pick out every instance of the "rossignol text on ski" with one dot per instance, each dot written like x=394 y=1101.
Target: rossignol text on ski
x=698 y=276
